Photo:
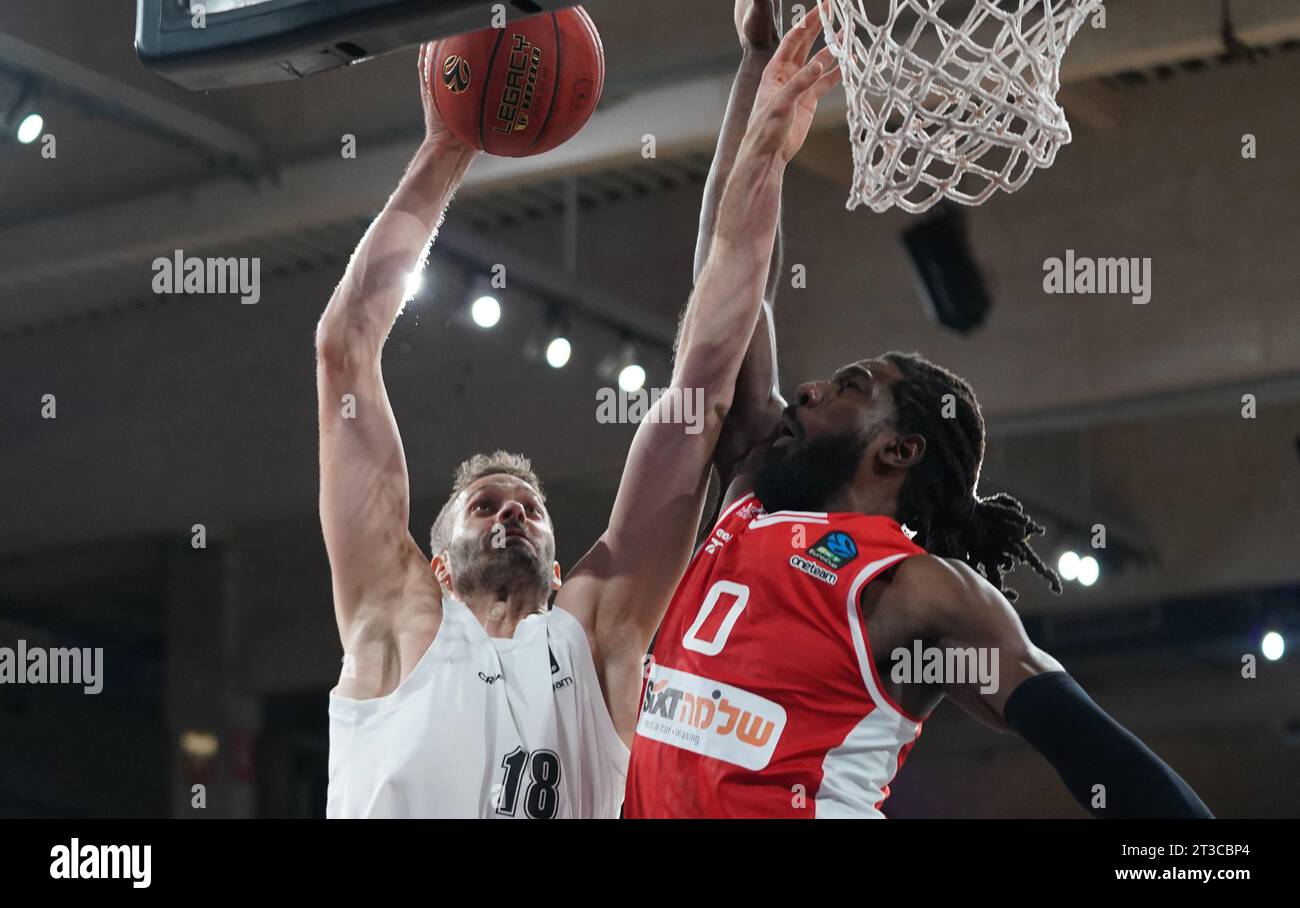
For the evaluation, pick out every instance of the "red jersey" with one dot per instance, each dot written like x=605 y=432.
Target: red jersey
x=762 y=699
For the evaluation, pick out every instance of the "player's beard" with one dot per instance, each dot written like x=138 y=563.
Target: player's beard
x=478 y=568
x=806 y=475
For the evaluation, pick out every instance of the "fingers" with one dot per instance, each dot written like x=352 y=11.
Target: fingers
x=818 y=75
x=805 y=78
x=797 y=41
x=828 y=80
x=832 y=74
x=803 y=91
x=426 y=64
x=826 y=58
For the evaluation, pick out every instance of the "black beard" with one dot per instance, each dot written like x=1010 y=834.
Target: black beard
x=499 y=572
x=807 y=475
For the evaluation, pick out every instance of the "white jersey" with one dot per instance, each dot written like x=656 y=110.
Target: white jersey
x=483 y=727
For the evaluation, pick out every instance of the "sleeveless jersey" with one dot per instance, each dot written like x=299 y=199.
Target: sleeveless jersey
x=483 y=727
x=762 y=699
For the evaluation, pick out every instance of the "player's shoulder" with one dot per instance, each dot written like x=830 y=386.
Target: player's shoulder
x=935 y=582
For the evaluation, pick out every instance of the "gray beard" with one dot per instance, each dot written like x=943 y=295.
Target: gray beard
x=513 y=570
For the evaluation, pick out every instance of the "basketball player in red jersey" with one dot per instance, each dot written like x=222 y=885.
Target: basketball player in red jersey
x=770 y=691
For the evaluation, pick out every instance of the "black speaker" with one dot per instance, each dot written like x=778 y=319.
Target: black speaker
x=948 y=279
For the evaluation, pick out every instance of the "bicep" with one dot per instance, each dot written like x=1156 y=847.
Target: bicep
x=976 y=617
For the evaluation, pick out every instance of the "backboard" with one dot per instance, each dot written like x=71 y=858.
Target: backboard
x=204 y=44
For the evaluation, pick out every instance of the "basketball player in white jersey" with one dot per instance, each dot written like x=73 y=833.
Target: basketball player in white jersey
x=461 y=694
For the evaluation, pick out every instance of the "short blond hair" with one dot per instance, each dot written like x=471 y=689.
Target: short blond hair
x=471 y=471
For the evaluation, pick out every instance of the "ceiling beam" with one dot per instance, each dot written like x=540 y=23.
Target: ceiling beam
x=130 y=105
x=682 y=117
x=578 y=296
x=1226 y=398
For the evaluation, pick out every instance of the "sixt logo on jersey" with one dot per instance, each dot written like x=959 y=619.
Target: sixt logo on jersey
x=710 y=718
x=835 y=549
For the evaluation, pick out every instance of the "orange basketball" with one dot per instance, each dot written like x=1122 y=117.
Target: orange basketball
x=523 y=89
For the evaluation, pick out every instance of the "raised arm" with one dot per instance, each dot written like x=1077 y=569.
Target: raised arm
x=757 y=401
x=364 y=490
x=1107 y=769
x=758 y=26
x=619 y=589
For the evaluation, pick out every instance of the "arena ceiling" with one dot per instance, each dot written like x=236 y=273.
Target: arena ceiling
x=1121 y=399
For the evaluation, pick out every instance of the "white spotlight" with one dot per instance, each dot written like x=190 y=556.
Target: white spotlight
x=29 y=130
x=486 y=311
x=558 y=352
x=1273 y=646
x=631 y=378
x=623 y=366
x=1068 y=566
x=1089 y=570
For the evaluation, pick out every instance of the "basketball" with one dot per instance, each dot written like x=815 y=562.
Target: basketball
x=523 y=89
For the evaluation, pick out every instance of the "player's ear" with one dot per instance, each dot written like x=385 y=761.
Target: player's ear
x=442 y=571
x=903 y=451
x=556 y=582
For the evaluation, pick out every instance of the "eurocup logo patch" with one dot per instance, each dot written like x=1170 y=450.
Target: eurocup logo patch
x=455 y=74
x=835 y=549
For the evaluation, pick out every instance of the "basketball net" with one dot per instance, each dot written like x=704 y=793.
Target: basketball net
x=951 y=109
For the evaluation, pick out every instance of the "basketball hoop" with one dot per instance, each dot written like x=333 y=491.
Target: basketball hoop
x=953 y=108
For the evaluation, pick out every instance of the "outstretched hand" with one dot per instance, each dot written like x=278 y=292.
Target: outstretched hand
x=787 y=97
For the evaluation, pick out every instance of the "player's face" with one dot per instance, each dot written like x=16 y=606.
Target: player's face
x=502 y=537
x=857 y=400
x=825 y=436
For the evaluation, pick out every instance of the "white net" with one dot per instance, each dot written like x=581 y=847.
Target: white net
x=951 y=98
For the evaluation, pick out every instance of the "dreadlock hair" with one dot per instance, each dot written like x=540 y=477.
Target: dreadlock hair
x=938 y=499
